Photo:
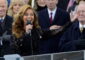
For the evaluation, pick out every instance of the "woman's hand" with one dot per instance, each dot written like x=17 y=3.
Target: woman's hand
x=53 y=27
x=28 y=28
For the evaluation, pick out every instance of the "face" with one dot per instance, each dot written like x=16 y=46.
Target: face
x=16 y=8
x=29 y=15
x=41 y=3
x=51 y=4
x=3 y=8
x=81 y=13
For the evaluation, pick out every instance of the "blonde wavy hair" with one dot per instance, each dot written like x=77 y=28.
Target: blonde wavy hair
x=13 y=2
x=18 y=25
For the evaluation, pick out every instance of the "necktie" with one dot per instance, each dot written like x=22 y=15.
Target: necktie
x=81 y=29
x=1 y=21
x=2 y=24
x=51 y=17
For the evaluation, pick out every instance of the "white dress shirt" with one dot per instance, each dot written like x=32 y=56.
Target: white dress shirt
x=53 y=13
x=81 y=27
x=2 y=18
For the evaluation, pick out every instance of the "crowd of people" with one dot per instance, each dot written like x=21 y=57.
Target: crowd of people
x=50 y=26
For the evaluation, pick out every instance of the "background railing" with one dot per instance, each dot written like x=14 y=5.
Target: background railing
x=73 y=55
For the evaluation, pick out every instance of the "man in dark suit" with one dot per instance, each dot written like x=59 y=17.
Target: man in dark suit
x=74 y=37
x=52 y=18
x=5 y=28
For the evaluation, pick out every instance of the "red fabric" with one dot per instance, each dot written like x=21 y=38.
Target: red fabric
x=51 y=17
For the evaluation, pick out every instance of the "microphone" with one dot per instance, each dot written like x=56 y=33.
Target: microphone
x=28 y=22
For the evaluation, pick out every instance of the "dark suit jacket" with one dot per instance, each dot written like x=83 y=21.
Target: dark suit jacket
x=61 y=18
x=28 y=44
x=5 y=27
x=72 y=39
x=63 y=4
x=50 y=45
x=5 y=48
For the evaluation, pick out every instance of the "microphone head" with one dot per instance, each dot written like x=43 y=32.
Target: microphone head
x=28 y=22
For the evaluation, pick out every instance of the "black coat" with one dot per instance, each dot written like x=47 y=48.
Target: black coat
x=72 y=39
x=6 y=48
x=61 y=18
x=28 y=43
x=6 y=26
x=63 y=4
x=5 y=29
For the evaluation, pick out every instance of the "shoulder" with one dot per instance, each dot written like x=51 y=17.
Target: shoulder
x=73 y=27
x=9 y=18
x=62 y=11
x=37 y=31
x=42 y=11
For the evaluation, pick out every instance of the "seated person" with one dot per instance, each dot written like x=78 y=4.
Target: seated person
x=74 y=37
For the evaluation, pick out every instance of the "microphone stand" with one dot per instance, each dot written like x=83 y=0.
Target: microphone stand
x=31 y=42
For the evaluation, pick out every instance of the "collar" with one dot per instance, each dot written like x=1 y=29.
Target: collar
x=53 y=12
x=76 y=26
x=80 y=25
x=2 y=17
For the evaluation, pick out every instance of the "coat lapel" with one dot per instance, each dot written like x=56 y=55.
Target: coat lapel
x=46 y=17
